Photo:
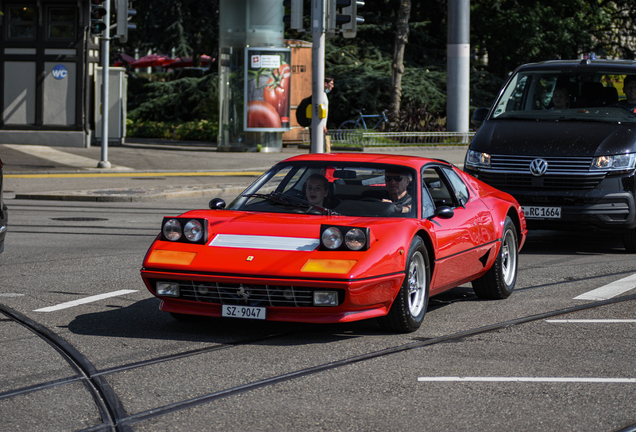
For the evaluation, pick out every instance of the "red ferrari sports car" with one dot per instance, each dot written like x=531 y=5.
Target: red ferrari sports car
x=324 y=238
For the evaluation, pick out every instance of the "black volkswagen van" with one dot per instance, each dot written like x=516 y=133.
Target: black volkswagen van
x=561 y=138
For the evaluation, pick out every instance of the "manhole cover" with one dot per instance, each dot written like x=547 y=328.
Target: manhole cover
x=78 y=219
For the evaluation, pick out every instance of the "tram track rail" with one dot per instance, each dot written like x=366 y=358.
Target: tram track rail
x=115 y=418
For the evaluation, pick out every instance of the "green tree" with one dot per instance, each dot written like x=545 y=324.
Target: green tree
x=401 y=39
x=191 y=27
x=504 y=34
x=507 y=33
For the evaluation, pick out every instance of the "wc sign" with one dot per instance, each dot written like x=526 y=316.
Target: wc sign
x=59 y=72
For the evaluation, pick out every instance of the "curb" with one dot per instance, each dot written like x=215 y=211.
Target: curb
x=130 y=194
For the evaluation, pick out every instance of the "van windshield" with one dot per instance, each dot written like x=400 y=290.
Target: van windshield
x=555 y=95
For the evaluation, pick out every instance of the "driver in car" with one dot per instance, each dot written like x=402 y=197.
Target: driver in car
x=317 y=189
x=396 y=184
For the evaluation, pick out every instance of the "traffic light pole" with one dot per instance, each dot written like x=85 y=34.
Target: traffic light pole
x=103 y=163
x=319 y=102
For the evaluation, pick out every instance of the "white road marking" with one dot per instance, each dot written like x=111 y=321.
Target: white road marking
x=612 y=290
x=527 y=379
x=84 y=301
x=58 y=156
x=11 y=295
x=591 y=321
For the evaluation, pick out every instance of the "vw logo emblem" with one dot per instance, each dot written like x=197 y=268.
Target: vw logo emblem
x=538 y=167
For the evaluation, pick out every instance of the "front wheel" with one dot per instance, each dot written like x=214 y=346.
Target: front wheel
x=499 y=282
x=629 y=240
x=408 y=309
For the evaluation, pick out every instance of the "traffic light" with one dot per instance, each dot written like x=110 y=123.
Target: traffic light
x=98 y=11
x=124 y=13
x=295 y=19
x=342 y=14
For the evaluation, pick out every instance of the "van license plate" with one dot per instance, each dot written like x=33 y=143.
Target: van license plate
x=533 y=212
x=248 y=312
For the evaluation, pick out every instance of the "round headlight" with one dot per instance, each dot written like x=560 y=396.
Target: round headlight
x=355 y=239
x=172 y=230
x=193 y=230
x=332 y=238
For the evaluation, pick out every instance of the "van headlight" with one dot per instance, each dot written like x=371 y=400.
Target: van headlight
x=615 y=162
x=477 y=159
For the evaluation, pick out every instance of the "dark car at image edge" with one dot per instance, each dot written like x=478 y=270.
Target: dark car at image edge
x=569 y=167
x=4 y=213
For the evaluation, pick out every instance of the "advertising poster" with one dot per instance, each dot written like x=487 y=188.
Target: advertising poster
x=267 y=89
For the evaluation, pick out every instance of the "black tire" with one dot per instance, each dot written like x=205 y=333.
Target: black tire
x=629 y=240
x=499 y=282
x=409 y=307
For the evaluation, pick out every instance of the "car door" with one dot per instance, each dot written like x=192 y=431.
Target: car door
x=464 y=241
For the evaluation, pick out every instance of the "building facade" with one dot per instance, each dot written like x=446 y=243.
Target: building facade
x=47 y=72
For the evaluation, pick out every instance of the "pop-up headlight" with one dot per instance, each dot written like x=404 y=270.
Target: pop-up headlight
x=334 y=237
x=185 y=230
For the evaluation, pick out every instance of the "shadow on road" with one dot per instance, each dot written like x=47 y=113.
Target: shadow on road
x=573 y=242
x=144 y=320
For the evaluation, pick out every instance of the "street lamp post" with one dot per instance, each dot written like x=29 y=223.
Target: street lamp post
x=103 y=163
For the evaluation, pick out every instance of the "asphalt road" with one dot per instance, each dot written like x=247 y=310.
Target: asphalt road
x=543 y=360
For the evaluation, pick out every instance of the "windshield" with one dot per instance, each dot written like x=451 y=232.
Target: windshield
x=555 y=95
x=332 y=188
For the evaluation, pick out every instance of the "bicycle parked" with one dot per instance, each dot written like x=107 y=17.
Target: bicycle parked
x=360 y=122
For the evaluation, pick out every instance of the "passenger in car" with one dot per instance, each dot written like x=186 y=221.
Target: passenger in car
x=560 y=98
x=629 y=88
x=396 y=184
x=317 y=189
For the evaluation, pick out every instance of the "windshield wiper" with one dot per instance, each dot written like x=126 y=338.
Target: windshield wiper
x=280 y=198
x=515 y=117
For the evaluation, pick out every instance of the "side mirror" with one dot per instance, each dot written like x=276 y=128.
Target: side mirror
x=444 y=212
x=217 y=204
x=479 y=116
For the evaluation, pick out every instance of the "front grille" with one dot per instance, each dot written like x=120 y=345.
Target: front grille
x=562 y=165
x=247 y=294
x=513 y=173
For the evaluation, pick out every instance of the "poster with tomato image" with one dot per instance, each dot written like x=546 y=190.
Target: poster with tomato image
x=267 y=89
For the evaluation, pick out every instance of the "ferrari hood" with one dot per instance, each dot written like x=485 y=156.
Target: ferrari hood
x=266 y=244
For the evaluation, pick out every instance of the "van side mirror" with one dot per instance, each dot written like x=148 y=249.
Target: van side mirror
x=479 y=116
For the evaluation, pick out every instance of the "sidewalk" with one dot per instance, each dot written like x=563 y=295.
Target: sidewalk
x=166 y=168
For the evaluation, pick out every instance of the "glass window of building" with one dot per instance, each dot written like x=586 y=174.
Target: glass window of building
x=61 y=23
x=21 y=22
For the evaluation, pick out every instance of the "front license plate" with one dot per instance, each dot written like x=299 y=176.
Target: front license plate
x=533 y=212
x=248 y=312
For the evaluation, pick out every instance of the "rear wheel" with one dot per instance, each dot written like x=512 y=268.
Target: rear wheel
x=408 y=309
x=499 y=282
x=349 y=124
